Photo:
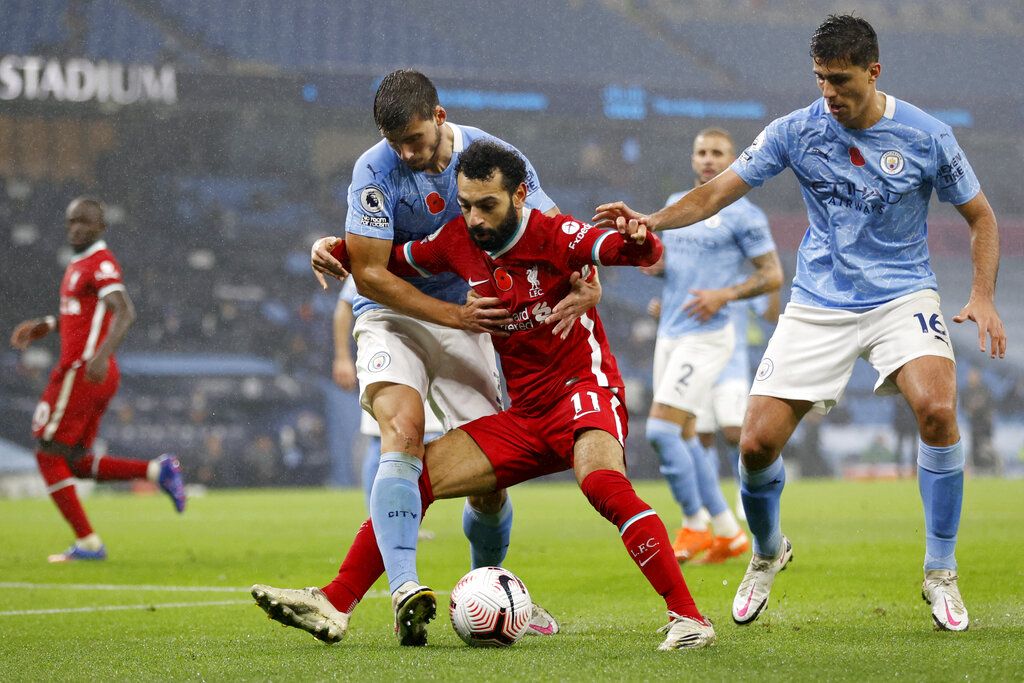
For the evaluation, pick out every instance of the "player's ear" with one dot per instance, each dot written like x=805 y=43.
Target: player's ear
x=440 y=115
x=519 y=196
x=875 y=70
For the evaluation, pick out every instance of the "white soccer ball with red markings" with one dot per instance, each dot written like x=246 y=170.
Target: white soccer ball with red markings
x=490 y=607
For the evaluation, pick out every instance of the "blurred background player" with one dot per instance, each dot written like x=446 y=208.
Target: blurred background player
x=419 y=340
x=567 y=402
x=867 y=164
x=95 y=314
x=696 y=340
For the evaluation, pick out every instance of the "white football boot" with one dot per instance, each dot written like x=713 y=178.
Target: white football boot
x=415 y=606
x=941 y=592
x=686 y=633
x=542 y=623
x=305 y=608
x=752 y=594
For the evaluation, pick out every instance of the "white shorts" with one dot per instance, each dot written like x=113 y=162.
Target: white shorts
x=369 y=427
x=685 y=368
x=724 y=407
x=454 y=371
x=811 y=354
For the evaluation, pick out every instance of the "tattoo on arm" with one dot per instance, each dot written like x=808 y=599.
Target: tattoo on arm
x=767 y=277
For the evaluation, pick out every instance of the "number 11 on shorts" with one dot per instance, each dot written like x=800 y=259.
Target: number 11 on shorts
x=577 y=404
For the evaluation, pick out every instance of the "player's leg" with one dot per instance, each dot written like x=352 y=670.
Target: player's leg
x=324 y=612
x=601 y=473
x=371 y=461
x=807 y=364
x=911 y=351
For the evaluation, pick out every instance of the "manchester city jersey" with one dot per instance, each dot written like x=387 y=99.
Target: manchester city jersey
x=867 y=194
x=708 y=255
x=389 y=201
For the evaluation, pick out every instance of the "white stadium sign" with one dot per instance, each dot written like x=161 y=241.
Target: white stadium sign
x=82 y=80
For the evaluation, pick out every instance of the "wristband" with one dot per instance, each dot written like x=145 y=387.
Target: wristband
x=50 y=321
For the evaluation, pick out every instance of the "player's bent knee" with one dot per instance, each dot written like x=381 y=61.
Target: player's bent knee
x=757 y=452
x=488 y=503
x=937 y=421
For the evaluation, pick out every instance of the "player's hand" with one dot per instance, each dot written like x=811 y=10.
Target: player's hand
x=657 y=270
x=705 y=303
x=28 y=331
x=983 y=312
x=484 y=314
x=615 y=214
x=581 y=298
x=654 y=308
x=325 y=264
x=96 y=369
x=344 y=373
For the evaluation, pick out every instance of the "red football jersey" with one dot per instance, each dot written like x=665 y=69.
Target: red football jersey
x=84 y=318
x=530 y=275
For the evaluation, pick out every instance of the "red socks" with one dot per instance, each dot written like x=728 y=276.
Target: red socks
x=363 y=564
x=61 y=487
x=644 y=536
x=106 y=468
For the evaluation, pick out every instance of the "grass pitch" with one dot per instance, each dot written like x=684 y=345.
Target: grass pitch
x=848 y=608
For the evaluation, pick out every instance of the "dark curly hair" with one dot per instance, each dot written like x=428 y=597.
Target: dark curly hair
x=845 y=38
x=483 y=157
x=402 y=95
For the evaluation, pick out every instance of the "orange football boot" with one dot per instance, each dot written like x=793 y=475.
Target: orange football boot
x=689 y=543
x=725 y=547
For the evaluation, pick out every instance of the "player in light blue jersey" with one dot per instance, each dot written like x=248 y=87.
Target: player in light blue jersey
x=417 y=341
x=695 y=341
x=867 y=164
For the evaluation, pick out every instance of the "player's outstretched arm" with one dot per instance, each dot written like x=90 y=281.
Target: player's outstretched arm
x=703 y=202
x=369 y=264
x=122 y=317
x=29 y=331
x=584 y=295
x=981 y=307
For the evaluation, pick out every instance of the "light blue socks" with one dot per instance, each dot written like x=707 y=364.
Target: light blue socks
x=489 y=534
x=761 y=491
x=940 y=478
x=676 y=463
x=395 y=509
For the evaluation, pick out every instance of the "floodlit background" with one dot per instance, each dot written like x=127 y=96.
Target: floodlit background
x=222 y=135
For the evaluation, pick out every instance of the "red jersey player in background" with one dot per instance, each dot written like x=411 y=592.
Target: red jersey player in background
x=95 y=314
x=567 y=402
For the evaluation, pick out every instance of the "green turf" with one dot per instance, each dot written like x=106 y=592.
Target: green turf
x=848 y=608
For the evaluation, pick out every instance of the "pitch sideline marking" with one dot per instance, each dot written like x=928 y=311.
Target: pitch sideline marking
x=119 y=608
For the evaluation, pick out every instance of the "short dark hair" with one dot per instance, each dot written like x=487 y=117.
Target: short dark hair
x=402 y=95
x=93 y=203
x=482 y=158
x=845 y=38
x=715 y=131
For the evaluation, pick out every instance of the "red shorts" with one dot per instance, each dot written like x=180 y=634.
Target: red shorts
x=71 y=407
x=523 y=447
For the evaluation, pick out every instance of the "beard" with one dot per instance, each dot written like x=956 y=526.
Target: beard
x=489 y=240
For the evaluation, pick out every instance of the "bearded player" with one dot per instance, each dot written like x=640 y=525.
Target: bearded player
x=95 y=314
x=567 y=405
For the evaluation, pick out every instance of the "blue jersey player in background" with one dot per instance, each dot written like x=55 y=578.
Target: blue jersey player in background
x=867 y=164
x=695 y=341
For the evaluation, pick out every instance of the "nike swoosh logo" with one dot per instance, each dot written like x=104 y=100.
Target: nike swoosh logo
x=949 y=616
x=474 y=283
x=743 y=612
x=543 y=630
x=587 y=412
x=644 y=563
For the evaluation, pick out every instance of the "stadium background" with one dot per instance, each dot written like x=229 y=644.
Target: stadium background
x=222 y=135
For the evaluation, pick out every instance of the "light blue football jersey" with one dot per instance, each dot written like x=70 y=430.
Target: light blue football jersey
x=739 y=313
x=389 y=201
x=867 y=194
x=708 y=255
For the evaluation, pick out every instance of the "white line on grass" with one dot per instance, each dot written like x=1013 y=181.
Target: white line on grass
x=152 y=587
x=119 y=608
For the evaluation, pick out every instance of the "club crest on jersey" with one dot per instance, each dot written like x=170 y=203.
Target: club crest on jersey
x=372 y=200
x=571 y=227
x=107 y=271
x=892 y=162
x=379 y=361
x=856 y=158
x=533 y=277
x=435 y=203
x=502 y=279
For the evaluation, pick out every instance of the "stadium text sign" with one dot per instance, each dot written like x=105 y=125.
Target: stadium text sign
x=81 y=80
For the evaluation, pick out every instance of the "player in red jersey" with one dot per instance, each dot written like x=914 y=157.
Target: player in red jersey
x=95 y=314
x=567 y=402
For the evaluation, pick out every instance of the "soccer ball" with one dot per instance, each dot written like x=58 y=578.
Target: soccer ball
x=490 y=607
